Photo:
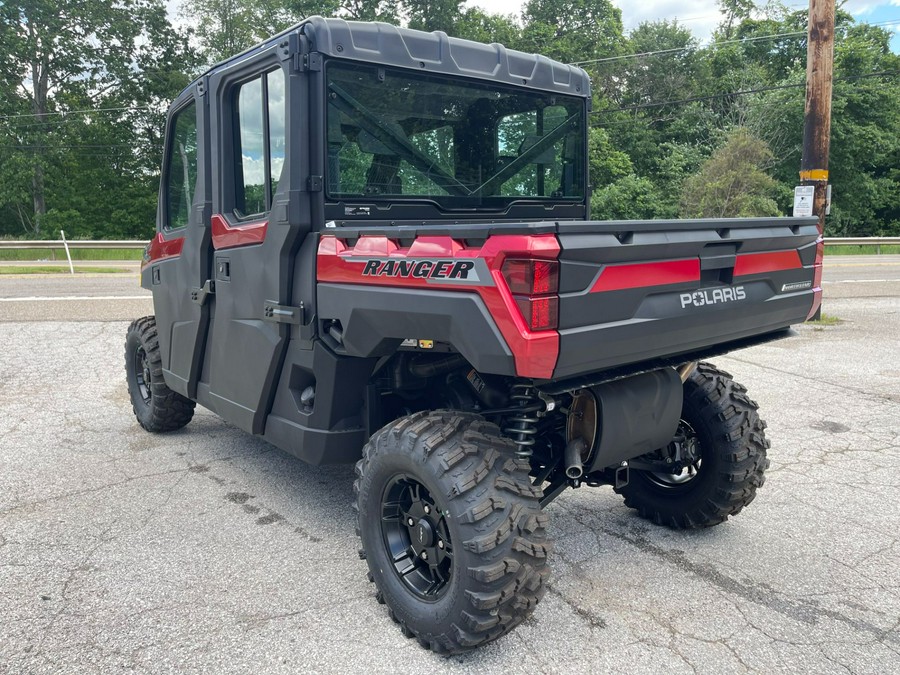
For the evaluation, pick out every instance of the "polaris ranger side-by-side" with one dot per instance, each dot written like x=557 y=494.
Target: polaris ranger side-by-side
x=373 y=246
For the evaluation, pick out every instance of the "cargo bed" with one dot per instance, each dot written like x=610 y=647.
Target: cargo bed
x=632 y=291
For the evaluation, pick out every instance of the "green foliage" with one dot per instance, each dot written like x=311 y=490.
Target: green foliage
x=670 y=136
x=476 y=24
x=628 y=198
x=433 y=14
x=226 y=27
x=889 y=249
x=732 y=183
x=606 y=163
x=59 y=254
x=59 y=269
x=572 y=30
x=80 y=140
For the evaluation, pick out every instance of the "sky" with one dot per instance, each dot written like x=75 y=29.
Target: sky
x=701 y=16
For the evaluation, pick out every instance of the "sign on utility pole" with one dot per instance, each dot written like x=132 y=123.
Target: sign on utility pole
x=817 y=117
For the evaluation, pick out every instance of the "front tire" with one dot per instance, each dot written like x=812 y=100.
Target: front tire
x=451 y=529
x=156 y=407
x=720 y=448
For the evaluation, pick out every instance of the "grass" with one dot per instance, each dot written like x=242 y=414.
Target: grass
x=827 y=320
x=861 y=250
x=58 y=269
x=42 y=254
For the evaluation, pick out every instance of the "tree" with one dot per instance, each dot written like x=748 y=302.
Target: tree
x=733 y=183
x=572 y=30
x=371 y=10
x=628 y=198
x=433 y=14
x=63 y=60
x=476 y=24
x=228 y=27
x=669 y=75
x=733 y=11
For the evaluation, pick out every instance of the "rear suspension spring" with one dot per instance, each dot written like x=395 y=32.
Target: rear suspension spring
x=521 y=426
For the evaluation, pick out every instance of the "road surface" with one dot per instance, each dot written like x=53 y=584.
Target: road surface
x=207 y=550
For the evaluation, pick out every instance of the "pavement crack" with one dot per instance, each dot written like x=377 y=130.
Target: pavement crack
x=818 y=381
x=590 y=617
x=803 y=611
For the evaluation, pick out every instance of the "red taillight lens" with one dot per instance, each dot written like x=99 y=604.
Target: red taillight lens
x=534 y=284
x=544 y=276
x=531 y=277
x=541 y=313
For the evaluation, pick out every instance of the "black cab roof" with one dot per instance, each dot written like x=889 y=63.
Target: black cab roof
x=383 y=43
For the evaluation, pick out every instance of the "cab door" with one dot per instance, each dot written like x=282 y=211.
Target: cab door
x=254 y=238
x=180 y=253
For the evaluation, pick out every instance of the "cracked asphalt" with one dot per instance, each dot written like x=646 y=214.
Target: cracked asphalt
x=208 y=550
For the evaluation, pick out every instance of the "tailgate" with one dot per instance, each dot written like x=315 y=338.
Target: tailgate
x=637 y=290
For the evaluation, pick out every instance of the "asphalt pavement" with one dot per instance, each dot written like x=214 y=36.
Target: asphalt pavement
x=207 y=550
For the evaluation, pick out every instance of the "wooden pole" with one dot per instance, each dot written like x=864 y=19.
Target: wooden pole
x=817 y=117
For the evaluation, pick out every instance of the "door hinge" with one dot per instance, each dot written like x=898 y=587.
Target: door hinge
x=199 y=295
x=312 y=61
x=283 y=313
x=314 y=184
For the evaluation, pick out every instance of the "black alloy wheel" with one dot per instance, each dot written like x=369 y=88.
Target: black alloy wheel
x=685 y=458
x=451 y=529
x=142 y=374
x=156 y=407
x=417 y=537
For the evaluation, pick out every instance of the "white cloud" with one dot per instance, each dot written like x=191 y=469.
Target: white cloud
x=700 y=16
x=254 y=170
x=859 y=8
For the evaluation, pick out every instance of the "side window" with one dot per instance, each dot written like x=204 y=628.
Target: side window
x=275 y=108
x=181 y=168
x=260 y=140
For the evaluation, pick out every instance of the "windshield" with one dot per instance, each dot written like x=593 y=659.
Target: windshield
x=458 y=143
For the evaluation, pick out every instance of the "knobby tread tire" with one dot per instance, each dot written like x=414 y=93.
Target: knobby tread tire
x=496 y=526
x=733 y=452
x=167 y=410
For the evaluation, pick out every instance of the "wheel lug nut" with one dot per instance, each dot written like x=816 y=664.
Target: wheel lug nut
x=440 y=543
x=424 y=555
x=410 y=522
x=427 y=509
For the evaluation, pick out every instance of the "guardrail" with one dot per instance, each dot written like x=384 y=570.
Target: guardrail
x=877 y=242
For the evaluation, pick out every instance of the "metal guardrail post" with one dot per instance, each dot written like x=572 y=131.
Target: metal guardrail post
x=68 y=255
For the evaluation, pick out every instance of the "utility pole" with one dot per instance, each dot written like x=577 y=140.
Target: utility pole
x=817 y=117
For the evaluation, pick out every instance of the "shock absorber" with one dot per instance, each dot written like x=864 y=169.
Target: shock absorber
x=521 y=426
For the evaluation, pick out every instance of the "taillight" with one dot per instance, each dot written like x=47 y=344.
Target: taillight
x=531 y=277
x=534 y=284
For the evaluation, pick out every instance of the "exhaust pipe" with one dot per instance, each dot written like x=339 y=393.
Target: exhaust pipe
x=572 y=458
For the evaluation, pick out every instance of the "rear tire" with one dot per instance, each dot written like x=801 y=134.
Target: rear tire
x=156 y=407
x=451 y=529
x=731 y=446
